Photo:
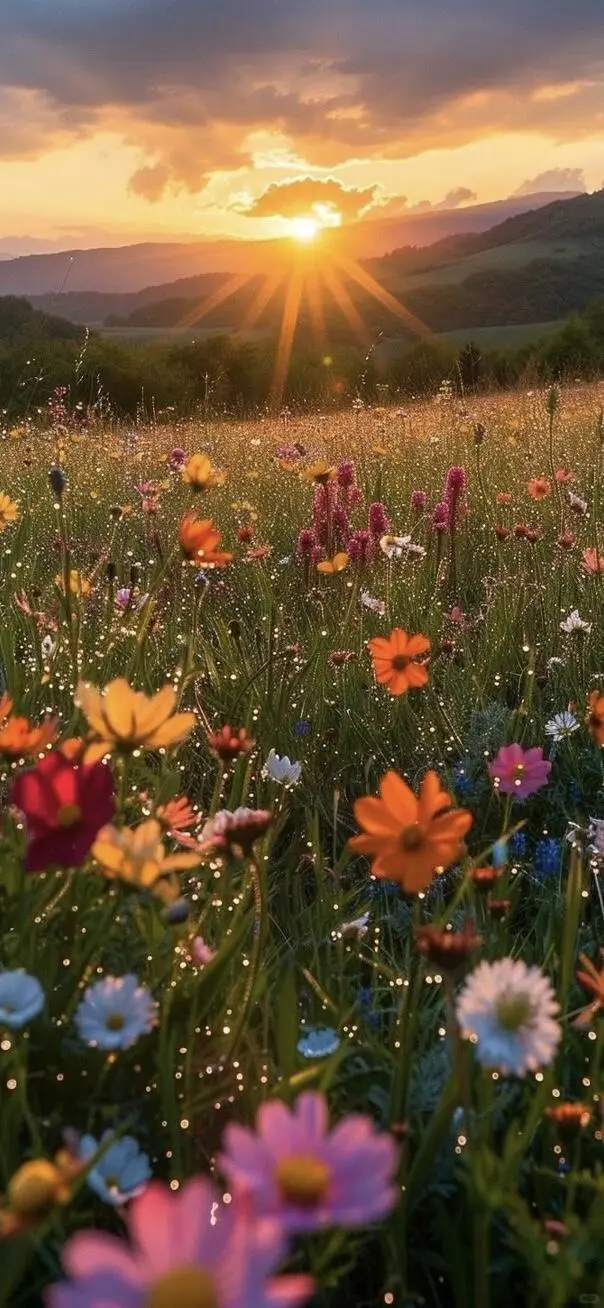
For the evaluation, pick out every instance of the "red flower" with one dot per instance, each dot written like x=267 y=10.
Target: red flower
x=65 y=805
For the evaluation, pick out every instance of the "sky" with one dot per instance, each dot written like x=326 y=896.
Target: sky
x=125 y=120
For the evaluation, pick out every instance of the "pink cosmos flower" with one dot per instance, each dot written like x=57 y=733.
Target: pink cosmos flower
x=297 y=1170
x=520 y=772
x=200 y=952
x=182 y=1251
x=592 y=562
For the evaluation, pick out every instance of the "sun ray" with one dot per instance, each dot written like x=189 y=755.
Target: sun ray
x=316 y=308
x=218 y=297
x=345 y=303
x=291 y=310
x=363 y=278
x=262 y=298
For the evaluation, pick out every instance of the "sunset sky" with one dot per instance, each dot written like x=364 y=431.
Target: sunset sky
x=123 y=120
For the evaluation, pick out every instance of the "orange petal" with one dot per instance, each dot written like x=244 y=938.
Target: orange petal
x=398 y=799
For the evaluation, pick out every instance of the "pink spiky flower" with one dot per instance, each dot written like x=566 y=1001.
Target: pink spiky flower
x=520 y=772
x=298 y=1171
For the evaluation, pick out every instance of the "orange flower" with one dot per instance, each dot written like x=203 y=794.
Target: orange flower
x=592 y=980
x=563 y=476
x=122 y=719
x=8 y=511
x=393 y=660
x=199 y=538
x=228 y=743
x=539 y=488
x=199 y=473
x=592 y=562
x=503 y=497
x=320 y=471
x=409 y=837
x=78 y=585
x=176 y=815
x=18 y=738
x=337 y=564
x=595 y=716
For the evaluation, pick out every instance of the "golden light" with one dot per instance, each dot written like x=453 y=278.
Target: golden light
x=304 y=229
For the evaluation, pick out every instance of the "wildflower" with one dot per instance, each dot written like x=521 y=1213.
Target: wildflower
x=302 y=727
x=180 y=1256
x=176 y=815
x=596 y=836
x=346 y=474
x=563 y=476
x=8 y=511
x=137 y=857
x=503 y=497
x=569 y=1118
x=199 y=538
x=120 y=1173
x=370 y=602
x=21 y=998
x=566 y=540
x=501 y=533
x=320 y=472
x=245 y=534
x=78 y=585
x=318 y=1042
x=561 y=726
x=484 y=878
x=230 y=743
x=200 y=475
x=115 y=1012
x=409 y=838
x=122 y=598
x=518 y=844
x=508 y=1010
x=592 y=562
x=235 y=831
x=440 y=517
x=379 y=522
x=456 y=483
x=592 y=980
x=48 y=646
x=394 y=660
x=520 y=531
x=399 y=547
x=177 y=458
x=355 y=930
x=296 y=1170
x=419 y=500
x=336 y=564
x=122 y=719
x=65 y=805
x=18 y=737
x=574 y=625
x=576 y=503
x=547 y=858
x=539 y=488
x=360 y=546
x=595 y=716
x=532 y=535
x=200 y=952
x=34 y=1189
x=341 y=656
x=449 y=950
x=281 y=770
x=519 y=772
x=307 y=542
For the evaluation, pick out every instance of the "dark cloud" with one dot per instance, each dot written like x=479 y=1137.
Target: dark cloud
x=554 y=179
x=301 y=198
x=340 y=78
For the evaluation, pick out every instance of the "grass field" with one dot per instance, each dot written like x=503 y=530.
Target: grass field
x=426 y=972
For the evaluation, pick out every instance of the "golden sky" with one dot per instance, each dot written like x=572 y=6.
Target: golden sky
x=123 y=120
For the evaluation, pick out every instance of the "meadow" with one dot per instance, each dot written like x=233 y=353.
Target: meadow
x=301 y=969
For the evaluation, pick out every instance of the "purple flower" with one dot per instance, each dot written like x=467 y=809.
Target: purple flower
x=122 y=597
x=346 y=474
x=307 y=542
x=308 y=1177
x=379 y=522
x=441 y=516
x=419 y=500
x=360 y=547
x=178 y=458
x=520 y=772
x=455 y=488
x=185 y=1249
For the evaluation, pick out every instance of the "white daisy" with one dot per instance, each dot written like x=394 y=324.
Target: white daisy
x=371 y=603
x=120 y=1173
x=115 y=1012
x=573 y=624
x=507 y=1010
x=21 y=998
x=356 y=929
x=282 y=770
x=400 y=547
x=561 y=726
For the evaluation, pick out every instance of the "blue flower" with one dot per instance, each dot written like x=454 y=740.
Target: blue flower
x=302 y=727
x=547 y=858
x=21 y=998
x=518 y=844
x=500 y=853
x=463 y=783
x=120 y=1173
x=318 y=1042
x=115 y=1012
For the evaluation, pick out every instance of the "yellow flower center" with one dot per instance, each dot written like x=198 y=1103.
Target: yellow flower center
x=186 y=1287
x=513 y=1011
x=518 y=771
x=302 y=1179
x=412 y=838
x=69 y=815
x=115 y=1022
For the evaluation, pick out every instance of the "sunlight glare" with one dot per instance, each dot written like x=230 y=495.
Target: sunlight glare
x=304 y=229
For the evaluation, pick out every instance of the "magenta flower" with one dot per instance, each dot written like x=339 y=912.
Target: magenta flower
x=419 y=500
x=307 y=542
x=346 y=473
x=183 y=1251
x=297 y=1170
x=379 y=522
x=360 y=547
x=520 y=772
x=178 y=458
x=441 y=516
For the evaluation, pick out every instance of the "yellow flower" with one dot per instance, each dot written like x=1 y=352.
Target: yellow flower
x=8 y=511
x=337 y=564
x=200 y=474
x=137 y=857
x=124 y=719
x=320 y=471
x=77 y=584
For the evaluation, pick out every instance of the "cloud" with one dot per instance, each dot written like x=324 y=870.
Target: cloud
x=306 y=195
x=454 y=199
x=339 y=80
x=554 y=179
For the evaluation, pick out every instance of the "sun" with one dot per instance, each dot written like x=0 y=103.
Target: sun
x=304 y=229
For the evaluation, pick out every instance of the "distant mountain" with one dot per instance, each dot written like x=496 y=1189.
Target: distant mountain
x=131 y=268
